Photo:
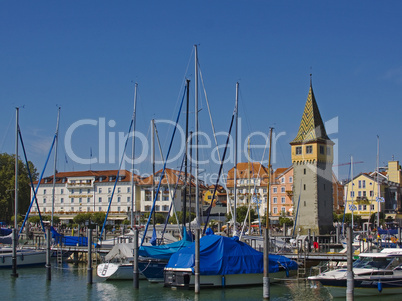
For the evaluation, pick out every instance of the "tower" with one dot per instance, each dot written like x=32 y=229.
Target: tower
x=312 y=158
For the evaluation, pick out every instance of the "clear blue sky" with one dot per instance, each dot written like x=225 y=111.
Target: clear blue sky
x=85 y=55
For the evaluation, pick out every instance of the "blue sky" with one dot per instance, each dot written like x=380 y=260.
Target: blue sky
x=85 y=56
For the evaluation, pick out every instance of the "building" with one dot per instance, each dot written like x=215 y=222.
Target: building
x=251 y=186
x=91 y=191
x=363 y=192
x=281 y=195
x=312 y=158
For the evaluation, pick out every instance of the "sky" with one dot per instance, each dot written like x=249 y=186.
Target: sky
x=86 y=56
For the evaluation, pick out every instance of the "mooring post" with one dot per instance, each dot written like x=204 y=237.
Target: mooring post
x=197 y=262
x=266 y=265
x=89 y=270
x=14 y=254
x=136 y=275
x=48 y=264
x=350 y=278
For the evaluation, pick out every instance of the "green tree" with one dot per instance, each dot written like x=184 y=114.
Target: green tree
x=98 y=218
x=241 y=213
x=7 y=183
x=189 y=217
x=82 y=218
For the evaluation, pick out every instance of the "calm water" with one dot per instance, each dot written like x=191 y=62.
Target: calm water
x=69 y=283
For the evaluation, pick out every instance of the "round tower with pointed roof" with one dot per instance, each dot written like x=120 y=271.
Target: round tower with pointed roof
x=312 y=159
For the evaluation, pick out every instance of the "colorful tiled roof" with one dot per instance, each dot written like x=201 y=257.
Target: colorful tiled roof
x=311 y=126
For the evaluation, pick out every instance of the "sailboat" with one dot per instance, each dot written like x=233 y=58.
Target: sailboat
x=18 y=257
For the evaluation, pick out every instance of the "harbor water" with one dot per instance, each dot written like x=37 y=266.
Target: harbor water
x=70 y=283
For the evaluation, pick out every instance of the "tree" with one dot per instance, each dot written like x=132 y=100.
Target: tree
x=241 y=213
x=82 y=218
x=189 y=217
x=7 y=183
x=98 y=218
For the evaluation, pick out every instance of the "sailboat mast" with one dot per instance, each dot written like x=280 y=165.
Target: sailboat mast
x=153 y=164
x=185 y=159
x=16 y=171
x=235 y=160
x=55 y=163
x=269 y=179
x=353 y=194
x=15 y=230
x=132 y=222
x=378 y=184
x=197 y=201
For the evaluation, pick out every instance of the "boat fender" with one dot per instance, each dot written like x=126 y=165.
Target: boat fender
x=287 y=273
x=223 y=281
x=379 y=286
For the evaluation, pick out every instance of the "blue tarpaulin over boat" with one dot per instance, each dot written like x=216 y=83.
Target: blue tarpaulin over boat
x=69 y=240
x=165 y=251
x=221 y=255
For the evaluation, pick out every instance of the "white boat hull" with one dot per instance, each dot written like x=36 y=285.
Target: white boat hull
x=116 y=271
x=25 y=257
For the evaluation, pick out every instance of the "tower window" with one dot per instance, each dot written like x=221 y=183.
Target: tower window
x=298 y=150
x=304 y=171
x=309 y=149
x=304 y=186
x=321 y=150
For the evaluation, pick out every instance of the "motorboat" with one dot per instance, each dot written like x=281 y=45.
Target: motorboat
x=374 y=274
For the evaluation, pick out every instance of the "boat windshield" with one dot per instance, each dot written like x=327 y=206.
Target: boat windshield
x=373 y=262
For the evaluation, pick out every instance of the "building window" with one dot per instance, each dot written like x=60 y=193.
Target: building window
x=88 y=209
x=118 y=189
x=298 y=150
x=275 y=200
x=274 y=190
x=72 y=209
x=118 y=209
x=62 y=200
x=100 y=200
x=100 y=190
x=72 y=200
x=359 y=193
x=371 y=193
x=44 y=201
x=275 y=210
x=283 y=180
x=309 y=149
x=61 y=191
x=371 y=207
x=360 y=184
x=147 y=208
x=364 y=193
x=264 y=190
x=44 y=191
x=283 y=209
x=166 y=198
x=304 y=186
x=282 y=200
x=88 y=200
x=352 y=194
x=80 y=191
x=99 y=209
x=109 y=190
x=128 y=199
x=364 y=207
x=364 y=183
x=282 y=189
x=304 y=171
x=89 y=190
x=321 y=150
x=165 y=208
x=290 y=179
x=72 y=190
x=128 y=189
x=118 y=199
x=360 y=207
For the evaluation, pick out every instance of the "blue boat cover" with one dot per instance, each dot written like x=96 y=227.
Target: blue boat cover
x=221 y=255
x=164 y=251
x=69 y=240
